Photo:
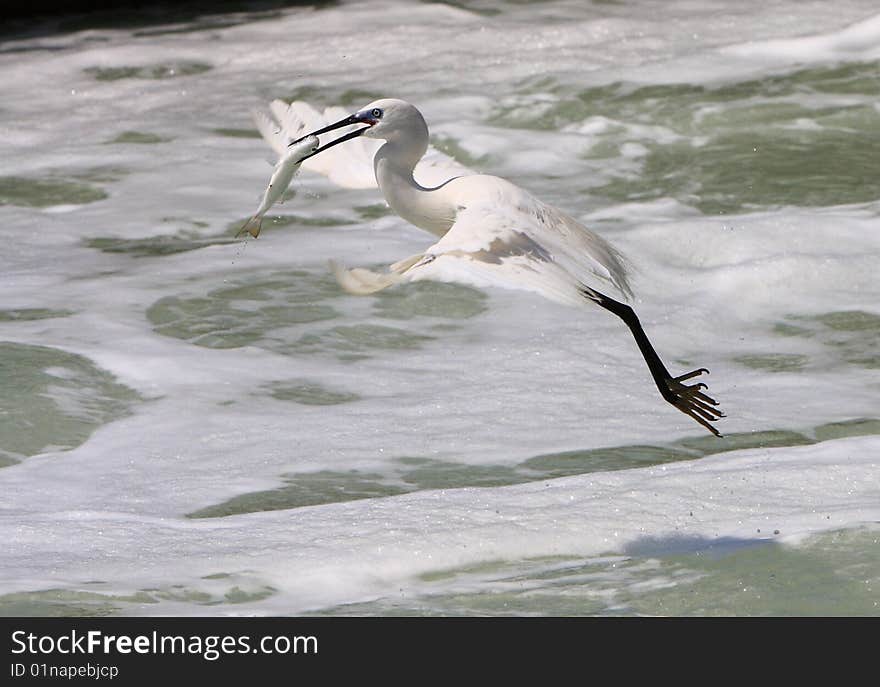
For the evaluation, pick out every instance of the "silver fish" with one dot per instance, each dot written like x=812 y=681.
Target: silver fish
x=286 y=167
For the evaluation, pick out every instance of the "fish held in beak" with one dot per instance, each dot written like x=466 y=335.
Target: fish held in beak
x=285 y=169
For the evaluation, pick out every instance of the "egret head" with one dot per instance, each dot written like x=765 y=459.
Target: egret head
x=390 y=118
x=386 y=118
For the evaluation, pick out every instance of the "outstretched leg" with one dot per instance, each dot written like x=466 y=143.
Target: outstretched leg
x=689 y=399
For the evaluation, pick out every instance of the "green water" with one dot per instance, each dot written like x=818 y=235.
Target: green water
x=57 y=603
x=404 y=475
x=140 y=137
x=236 y=133
x=407 y=474
x=247 y=312
x=281 y=311
x=51 y=400
x=836 y=573
x=98 y=174
x=95 y=600
x=157 y=246
x=358 y=341
x=169 y=70
x=46 y=192
x=773 y=362
x=310 y=489
x=451 y=147
x=290 y=220
x=842 y=338
x=374 y=211
x=62 y=186
x=725 y=148
x=425 y=299
x=30 y=314
x=847 y=337
x=831 y=574
x=309 y=393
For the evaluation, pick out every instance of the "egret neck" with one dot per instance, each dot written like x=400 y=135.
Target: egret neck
x=430 y=209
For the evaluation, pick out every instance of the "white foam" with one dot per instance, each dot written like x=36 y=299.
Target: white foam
x=860 y=40
x=347 y=552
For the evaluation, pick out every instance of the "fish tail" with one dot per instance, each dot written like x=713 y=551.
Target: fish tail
x=252 y=226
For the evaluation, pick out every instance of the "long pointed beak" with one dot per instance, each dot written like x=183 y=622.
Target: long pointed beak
x=341 y=139
x=338 y=125
x=348 y=121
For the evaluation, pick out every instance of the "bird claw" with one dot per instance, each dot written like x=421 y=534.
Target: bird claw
x=689 y=375
x=690 y=400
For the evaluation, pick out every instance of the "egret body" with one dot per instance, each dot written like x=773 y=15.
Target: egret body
x=493 y=233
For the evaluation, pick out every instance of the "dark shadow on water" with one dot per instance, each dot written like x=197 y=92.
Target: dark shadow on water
x=831 y=574
x=684 y=544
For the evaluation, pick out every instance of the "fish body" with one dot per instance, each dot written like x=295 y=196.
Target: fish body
x=285 y=169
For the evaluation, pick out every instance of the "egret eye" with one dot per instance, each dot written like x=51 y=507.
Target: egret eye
x=376 y=113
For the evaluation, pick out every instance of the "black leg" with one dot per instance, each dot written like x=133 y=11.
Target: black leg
x=689 y=399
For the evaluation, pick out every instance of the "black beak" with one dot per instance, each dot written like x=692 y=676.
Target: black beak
x=348 y=121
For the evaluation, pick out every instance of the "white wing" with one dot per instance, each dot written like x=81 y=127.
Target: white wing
x=498 y=245
x=270 y=131
x=528 y=246
x=349 y=165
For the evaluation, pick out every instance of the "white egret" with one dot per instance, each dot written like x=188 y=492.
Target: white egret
x=493 y=233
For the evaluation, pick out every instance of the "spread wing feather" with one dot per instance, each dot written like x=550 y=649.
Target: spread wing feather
x=494 y=245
